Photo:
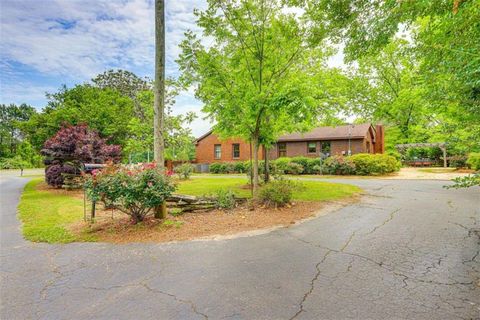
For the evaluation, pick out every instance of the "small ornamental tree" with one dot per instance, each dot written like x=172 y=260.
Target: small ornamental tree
x=134 y=191
x=73 y=146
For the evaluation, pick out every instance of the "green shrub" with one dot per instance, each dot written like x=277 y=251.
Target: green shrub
x=225 y=199
x=374 y=164
x=474 y=160
x=282 y=163
x=313 y=166
x=303 y=161
x=239 y=167
x=338 y=165
x=135 y=192
x=277 y=193
x=184 y=170
x=294 y=168
x=457 y=161
x=215 y=167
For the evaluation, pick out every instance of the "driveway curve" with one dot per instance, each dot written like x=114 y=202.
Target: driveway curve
x=408 y=250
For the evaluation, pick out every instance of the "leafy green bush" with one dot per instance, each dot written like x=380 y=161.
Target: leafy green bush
x=277 y=193
x=374 y=164
x=282 y=163
x=313 y=166
x=225 y=199
x=294 y=168
x=338 y=165
x=135 y=192
x=215 y=167
x=184 y=170
x=239 y=167
x=303 y=161
x=474 y=160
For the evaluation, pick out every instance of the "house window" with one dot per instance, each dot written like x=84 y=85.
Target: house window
x=236 y=150
x=311 y=147
x=217 y=151
x=326 y=147
x=368 y=146
x=282 y=149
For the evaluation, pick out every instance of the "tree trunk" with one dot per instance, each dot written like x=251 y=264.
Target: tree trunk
x=255 y=165
x=267 y=169
x=159 y=85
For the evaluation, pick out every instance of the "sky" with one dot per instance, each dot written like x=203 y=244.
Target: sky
x=47 y=43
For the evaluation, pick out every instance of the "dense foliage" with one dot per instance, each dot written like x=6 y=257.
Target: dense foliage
x=338 y=165
x=71 y=147
x=278 y=193
x=374 y=164
x=474 y=161
x=359 y=164
x=134 y=191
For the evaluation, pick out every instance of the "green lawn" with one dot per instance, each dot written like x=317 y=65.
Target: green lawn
x=45 y=214
x=313 y=191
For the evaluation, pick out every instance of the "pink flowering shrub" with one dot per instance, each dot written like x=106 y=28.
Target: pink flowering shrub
x=136 y=191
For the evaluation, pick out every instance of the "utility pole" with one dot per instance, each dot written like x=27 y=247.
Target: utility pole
x=159 y=97
x=159 y=85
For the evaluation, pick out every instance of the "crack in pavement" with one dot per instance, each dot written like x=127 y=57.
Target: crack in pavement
x=390 y=218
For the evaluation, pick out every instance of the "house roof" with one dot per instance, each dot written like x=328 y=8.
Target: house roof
x=353 y=131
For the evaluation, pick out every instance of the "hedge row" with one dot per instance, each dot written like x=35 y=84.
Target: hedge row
x=359 y=164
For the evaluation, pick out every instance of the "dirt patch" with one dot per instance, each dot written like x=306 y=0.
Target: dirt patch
x=113 y=226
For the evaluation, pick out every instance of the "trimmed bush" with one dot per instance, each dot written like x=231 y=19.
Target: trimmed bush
x=184 y=170
x=313 y=166
x=474 y=160
x=374 y=164
x=338 y=165
x=239 y=167
x=277 y=193
x=294 y=168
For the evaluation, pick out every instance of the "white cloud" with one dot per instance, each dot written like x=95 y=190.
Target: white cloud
x=82 y=38
x=74 y=40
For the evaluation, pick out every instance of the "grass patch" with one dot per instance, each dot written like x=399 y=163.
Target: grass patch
x=313 y=191
x=46 y=214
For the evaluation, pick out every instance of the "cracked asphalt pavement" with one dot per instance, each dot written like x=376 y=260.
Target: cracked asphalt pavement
x=408 y=250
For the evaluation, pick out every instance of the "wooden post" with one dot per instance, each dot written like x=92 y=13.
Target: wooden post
x=444 y=149
x=161 y=211
x=92 y=214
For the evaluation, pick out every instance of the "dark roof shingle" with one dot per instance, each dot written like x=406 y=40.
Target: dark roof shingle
x=329 y=133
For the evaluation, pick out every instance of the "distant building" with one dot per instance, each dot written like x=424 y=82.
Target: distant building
x=321 y=141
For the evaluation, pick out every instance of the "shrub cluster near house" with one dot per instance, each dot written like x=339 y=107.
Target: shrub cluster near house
x=358 y=164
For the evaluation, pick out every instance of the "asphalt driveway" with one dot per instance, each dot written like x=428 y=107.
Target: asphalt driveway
x=409 y=249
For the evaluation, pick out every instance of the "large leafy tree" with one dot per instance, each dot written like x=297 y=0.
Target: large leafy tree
x=104 y=109
x=444 y=37
x=254 y=77
x=11 y=118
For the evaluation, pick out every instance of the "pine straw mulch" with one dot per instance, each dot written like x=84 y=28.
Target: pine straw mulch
x=116 y=227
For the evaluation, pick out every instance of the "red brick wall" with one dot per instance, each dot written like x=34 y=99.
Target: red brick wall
x=205 y=150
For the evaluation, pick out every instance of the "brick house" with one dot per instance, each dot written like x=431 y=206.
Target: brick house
x=321 y=141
